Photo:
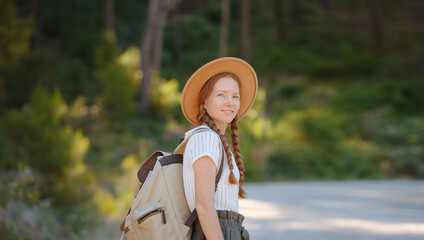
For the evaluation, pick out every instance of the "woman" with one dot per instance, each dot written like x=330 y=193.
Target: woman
x=217 y=95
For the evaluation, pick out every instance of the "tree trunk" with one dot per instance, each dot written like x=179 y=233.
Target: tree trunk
x=376 y=26
x=177 y=47
x=328 y=6
x=245 y=29
x=35 y=40
x=225 y=22
x=296 y=12
x=421 y=66
x=151 y=46
x=110 y=16
x=278 y=17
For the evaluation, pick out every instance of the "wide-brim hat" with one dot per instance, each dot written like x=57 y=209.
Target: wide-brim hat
x=244 y=72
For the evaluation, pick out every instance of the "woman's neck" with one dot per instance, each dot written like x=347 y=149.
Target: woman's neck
x=221 y=128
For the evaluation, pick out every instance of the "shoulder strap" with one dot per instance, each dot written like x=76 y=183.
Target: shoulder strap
x=193 y=215
x=183 y=141
x=221 y=167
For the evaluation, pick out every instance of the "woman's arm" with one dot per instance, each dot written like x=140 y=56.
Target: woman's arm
x=204 y=185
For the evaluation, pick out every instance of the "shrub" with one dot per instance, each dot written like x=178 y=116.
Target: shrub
x=400 y=142
x=9 y=233
x=38 y=140
x=116 y=92
x=311 y=144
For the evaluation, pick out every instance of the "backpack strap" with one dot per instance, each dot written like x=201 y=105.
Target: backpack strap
x=183 y=141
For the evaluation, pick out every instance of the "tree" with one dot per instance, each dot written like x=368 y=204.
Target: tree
x=177 y=43
x=376 y=26
x=278 y=17
x=151 y=46
x=421 y=66
x=297 y=12
x=110 y=15
x=225 y=22
x=245 y=29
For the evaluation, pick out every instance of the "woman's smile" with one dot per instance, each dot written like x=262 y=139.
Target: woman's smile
x=228 y=111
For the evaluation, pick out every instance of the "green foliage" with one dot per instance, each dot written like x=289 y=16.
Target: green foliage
x=14 y=34
x=8 y=232
x=165 y=99
x=34 y=70
x=310 y=144
x=75 y=79
x=254 y=134
x=403 y=96
x=131 y=61
x=37 y=69
x=44 y=221
x=39 y=141
x=19 y=185
x=327 y=106
x=400 y=142
x=106 y=51
x=311 y=54
x=202 y=45
x=116 y=93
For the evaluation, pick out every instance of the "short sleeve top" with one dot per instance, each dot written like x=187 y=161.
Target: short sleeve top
x=207 y=143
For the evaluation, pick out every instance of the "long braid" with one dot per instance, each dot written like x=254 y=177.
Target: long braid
x=236 y=147
x=204 y=117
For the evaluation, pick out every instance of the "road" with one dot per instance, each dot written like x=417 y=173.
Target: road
x=357 y=210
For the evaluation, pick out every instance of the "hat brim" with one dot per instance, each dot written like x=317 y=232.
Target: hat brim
x=245 y=73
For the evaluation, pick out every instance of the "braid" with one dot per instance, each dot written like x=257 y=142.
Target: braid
x=205 y=118
x=236 y=147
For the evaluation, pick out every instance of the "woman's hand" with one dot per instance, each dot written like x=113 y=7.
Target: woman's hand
x=204 y=185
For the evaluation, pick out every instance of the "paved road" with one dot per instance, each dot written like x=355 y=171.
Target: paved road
x=357 y=210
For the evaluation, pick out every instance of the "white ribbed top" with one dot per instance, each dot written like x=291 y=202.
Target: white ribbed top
x=207 y=143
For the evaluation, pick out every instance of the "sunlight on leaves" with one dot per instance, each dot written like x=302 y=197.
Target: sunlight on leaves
x=129 y=162
x=130 y=59
x=106 y=201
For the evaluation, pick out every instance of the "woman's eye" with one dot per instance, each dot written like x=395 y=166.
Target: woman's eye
x=220 y=95
x=236 y=97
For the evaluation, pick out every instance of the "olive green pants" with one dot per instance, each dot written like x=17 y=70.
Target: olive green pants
x=231 y=226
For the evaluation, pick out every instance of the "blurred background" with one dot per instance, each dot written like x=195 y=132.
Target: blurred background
x=89 y=89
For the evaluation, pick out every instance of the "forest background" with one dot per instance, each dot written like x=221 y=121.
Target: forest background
x=88 y=89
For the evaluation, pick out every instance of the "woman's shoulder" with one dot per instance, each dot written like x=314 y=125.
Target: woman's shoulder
x=207 y=136
x=203 y=143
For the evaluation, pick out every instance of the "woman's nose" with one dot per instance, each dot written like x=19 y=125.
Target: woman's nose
x=230 y=101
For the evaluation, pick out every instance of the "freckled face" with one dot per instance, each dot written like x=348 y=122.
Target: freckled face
x=223 y=103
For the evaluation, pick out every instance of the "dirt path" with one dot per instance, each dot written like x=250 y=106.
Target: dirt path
x=345 y=210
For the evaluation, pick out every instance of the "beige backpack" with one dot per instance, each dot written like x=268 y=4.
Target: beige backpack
x=160 y=210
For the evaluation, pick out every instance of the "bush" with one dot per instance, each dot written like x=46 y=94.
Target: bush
x=38 y=140
x=117 y=96
x=165 y=99
x=116 y=92
x=400 y=142
x=9 y=233
x=311 y=144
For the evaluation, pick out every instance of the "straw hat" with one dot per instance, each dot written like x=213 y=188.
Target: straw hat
x=236 y=66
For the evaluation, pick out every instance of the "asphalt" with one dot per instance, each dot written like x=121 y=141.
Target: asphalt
x=357 y=210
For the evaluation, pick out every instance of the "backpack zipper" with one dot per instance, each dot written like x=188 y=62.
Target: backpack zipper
x=151 y=213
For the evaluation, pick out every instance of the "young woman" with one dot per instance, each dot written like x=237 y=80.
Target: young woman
x=216 y=96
